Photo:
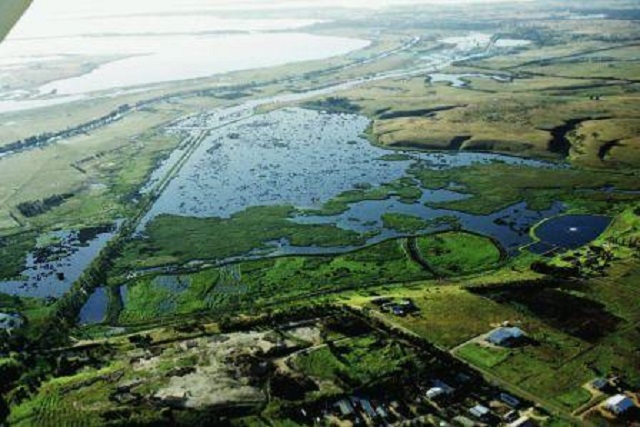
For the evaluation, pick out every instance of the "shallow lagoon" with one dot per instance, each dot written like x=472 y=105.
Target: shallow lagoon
x=125 y=50
x=52 y=270
x=305 y=158
x=293 y=157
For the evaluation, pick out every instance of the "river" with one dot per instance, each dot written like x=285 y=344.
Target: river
x=67 y=52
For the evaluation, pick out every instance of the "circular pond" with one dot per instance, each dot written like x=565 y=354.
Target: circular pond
x=572 y=231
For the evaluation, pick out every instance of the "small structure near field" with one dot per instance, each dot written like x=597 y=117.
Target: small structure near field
x=506 y=337
x=400 y=308
x=9 y=322
x=439 y=390
x=479 y=411
x=600 y=384
x=619 y=404
x=509 y=400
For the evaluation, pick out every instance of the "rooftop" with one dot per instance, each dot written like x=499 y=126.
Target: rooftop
x=503 y=335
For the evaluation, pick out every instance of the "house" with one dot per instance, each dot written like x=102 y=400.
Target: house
x=345 y=408
x=511 y=416
x=9 y=322
x=599 y=383
x=435 y=392
x=509 y=400
x=381 y=412
x=439 y=390
x=380 y=301
x=368 y=408
x=479 y=411
x=618 y=404
x=505 y=337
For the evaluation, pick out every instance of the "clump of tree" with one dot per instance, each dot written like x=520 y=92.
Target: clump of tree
x=49 y=137
x=38 y=207
x=334 y=104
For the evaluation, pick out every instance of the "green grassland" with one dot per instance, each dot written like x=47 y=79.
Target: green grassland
x=106 y=166
x=182 y=239
x=12 y=251
x=483 y=356
x=449 y=315
x=403 y=223
x=455 y=254
x=537 y=187
x=10 y=13
x=266 y=282
x=513 y=117
x=405 y=189
x=411 y=224
x=360 y=360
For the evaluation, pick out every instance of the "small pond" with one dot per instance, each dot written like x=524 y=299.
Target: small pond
x=459 y=80
x=95 y=309
x=570 y=231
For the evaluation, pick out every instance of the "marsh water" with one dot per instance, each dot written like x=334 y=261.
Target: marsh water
x=290 y=156
x=461 y=80
x=304 y=158
x=89 y=49
x=52 y=268
x=293 y=157
x=95 y=309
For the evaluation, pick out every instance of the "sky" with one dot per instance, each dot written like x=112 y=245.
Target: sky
x=54 y=18
x=99 y=7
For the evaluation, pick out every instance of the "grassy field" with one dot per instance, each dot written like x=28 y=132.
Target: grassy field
x=410 y=224
x=405 y=189
x=518 y=115
x=539 y=188
x=362 y=360
x=578 y=330
x=456 y=253
x=449 y=315
x=10 y=13
x=257 y=283
x=483 y=356
x=102 y=171
x=252 y=284
x=181 y=239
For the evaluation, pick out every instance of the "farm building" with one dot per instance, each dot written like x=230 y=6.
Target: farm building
x=479 y=411
x=439 y=389
x=345 y=408
x=435 y=392
x=618 y=404
x=599 y=383
x=509 y=400
x=505 y=337
x=10 y=322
